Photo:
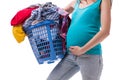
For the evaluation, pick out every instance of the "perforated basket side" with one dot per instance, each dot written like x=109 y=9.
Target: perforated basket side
x=45 y=41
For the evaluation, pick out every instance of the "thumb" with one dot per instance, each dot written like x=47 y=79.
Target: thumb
x=72 y=47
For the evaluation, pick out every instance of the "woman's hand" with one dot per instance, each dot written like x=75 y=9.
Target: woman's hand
x=76 y=50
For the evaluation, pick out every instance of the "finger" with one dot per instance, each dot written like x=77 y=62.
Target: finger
x=72 y=47
x=72 y=50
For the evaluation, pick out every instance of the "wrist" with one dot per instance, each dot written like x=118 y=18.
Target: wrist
x=83 y=50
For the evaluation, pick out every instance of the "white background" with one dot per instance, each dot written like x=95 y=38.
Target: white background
x=17 y=61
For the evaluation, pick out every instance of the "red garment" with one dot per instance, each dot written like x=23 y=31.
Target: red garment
x=63 y=30
x=22 y=15
x=64 y=25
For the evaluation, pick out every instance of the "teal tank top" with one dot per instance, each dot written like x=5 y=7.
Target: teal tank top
x=85 y=23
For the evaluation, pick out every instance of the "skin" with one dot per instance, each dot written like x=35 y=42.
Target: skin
x=105 y=8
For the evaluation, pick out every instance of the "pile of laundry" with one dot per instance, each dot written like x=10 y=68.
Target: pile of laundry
x=36 y=13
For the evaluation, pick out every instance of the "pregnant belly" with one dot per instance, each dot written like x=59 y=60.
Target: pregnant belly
x=78 y=38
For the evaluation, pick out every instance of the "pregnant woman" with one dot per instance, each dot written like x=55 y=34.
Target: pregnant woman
x=90 y=25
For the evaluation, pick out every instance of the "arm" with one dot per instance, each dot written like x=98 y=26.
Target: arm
x=70 y=7
x=102 y=34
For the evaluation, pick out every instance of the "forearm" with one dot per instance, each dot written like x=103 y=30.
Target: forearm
x=99 y=37
x=105 y=26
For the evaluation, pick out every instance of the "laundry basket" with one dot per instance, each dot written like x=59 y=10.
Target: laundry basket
x=45 y=41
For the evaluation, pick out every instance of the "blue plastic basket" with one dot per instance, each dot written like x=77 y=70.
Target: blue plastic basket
x=45 y=41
